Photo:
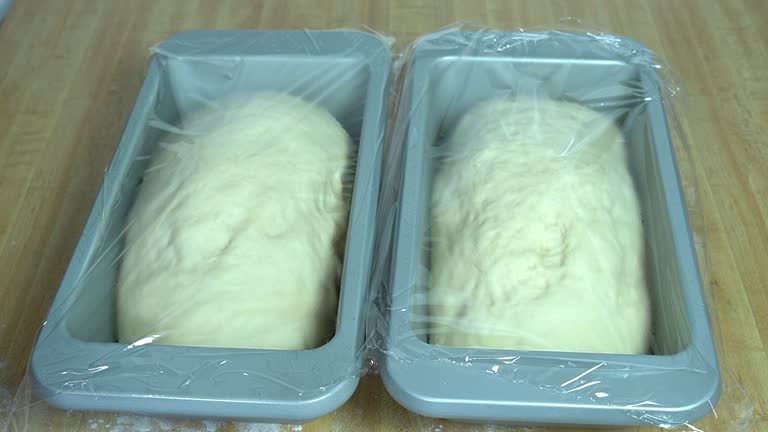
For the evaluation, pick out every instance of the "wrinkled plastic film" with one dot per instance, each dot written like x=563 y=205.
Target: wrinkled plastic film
x=224 y=268
x=543 y=268
x=501 y=163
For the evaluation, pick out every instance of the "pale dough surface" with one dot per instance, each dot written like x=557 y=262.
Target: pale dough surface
x=233 y=240
x=536 y=233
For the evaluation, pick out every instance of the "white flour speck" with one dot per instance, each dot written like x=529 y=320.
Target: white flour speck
x=141 y=424
x=136 y=423
x=257 y=427
x=210 y=426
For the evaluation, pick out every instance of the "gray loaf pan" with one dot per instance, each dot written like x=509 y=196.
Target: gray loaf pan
x=77 y=364
x=678 y=381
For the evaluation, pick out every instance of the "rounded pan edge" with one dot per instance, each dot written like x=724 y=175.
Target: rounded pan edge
x=233 y=410
x=426 y=388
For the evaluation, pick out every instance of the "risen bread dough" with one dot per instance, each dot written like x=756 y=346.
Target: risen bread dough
x=536 y=235
x=234 y=236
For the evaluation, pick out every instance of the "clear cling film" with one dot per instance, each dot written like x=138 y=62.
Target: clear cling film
x=499 y=227
x=224 y=269
x=542 y=267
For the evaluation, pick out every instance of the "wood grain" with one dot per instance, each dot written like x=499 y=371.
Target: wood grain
x=71 y=69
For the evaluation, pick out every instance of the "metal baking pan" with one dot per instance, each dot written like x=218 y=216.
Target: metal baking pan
x=76 y=363
x=679 y=382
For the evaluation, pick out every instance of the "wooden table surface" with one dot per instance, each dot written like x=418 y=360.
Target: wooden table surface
x=71 y=69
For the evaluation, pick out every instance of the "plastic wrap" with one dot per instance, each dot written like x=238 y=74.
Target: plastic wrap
x=503 y=147
x=542 y=268
x=224 y=268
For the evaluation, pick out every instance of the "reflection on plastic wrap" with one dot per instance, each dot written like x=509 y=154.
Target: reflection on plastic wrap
x=542 y=269
x=224 y=268
x=535 y=234
x=233 y=239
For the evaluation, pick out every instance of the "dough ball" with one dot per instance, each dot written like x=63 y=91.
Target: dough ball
x=536 y=235
x=235 y=236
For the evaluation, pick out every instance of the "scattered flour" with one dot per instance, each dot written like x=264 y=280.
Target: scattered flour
x=126 y=423
x=134 y=423
x=258 y=427
x=210 y=425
